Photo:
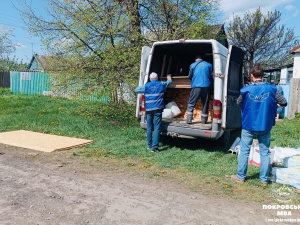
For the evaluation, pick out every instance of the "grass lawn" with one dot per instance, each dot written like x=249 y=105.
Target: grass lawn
x=199 y=164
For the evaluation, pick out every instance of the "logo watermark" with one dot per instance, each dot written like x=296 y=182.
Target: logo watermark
x=282 y=220
x=283 y=194
x=286 y=211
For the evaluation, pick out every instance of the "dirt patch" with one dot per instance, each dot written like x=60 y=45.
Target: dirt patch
x=58 y=188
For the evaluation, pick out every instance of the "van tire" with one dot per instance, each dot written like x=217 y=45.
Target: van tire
x=224 y=139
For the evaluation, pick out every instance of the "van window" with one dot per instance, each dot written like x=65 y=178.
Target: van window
x=176 y=58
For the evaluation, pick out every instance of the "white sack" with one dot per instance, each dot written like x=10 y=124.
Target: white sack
x=289 y=176
x=292 y=162
x=281 y=153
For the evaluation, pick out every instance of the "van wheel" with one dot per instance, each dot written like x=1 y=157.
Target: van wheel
x=224 y=139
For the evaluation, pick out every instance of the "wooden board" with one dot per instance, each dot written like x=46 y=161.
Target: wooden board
x=39 y=141
x=179 y=82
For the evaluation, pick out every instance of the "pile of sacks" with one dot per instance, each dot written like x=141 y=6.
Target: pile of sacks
x=290 y=174
x=171 y=110
x=288 y=157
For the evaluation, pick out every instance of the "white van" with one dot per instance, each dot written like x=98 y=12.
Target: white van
x=175 y=57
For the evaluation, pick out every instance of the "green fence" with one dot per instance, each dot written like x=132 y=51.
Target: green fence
x=29 y=83
x=32 y=82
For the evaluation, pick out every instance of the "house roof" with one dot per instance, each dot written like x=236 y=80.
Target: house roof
x=294 y=50
x=278 y=68
x=43 y=60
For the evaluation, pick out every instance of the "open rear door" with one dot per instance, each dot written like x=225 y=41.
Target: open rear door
x=144 y=60
x=233 y=81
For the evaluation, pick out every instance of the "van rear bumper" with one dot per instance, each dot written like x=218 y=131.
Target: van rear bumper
x=177 y=131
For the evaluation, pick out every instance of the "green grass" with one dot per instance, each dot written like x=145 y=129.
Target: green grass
x=287 y=133
x=200 y=163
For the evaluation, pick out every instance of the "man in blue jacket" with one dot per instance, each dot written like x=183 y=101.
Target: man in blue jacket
x=259 y=103
x=200 y=74
x=154 y=96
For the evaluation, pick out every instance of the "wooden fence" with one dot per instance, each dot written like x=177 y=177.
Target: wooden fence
x=4 y=79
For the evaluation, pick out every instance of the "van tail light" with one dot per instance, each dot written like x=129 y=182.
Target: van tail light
x=217 y=109
x=143 y=103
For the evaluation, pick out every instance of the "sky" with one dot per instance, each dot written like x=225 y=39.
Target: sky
x=28 y=44
x=290 y=10
x=10 y=18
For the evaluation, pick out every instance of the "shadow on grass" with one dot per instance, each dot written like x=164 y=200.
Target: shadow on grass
x=197 y=144
x=253 y=176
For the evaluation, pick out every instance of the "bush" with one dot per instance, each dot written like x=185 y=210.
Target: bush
x=5 y=91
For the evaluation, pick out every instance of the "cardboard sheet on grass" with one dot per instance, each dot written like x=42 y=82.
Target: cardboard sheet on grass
x=39 y=141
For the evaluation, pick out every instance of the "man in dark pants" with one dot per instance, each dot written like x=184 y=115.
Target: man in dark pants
x=200 y=74
x=154 y=96
x=259 y=102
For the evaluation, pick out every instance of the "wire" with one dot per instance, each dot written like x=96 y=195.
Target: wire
x=16 y=21
x=13 y=25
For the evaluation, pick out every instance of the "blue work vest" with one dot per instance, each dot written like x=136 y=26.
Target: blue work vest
x=154 y=95
x=259 y=107
x=201 y=74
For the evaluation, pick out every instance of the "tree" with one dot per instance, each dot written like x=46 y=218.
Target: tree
x=6 y=48
x=169 y=20
x=8 y=64
x=262 y=38
x=102 y=39
x=6 y=45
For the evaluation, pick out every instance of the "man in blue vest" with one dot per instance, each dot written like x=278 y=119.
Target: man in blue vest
x=259 y=103
x=279 y=89
x=154 y=96
x=200 y=74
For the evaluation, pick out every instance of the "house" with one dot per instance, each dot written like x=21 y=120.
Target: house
x=33 y=80
x=289 y=76
x=282 y=73
x=286 y=73
x=294 y=105
x=296 y=52
x=39 y=63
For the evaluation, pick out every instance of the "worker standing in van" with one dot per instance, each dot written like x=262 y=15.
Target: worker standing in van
x=154 y=96
x=259 y=105
x=201 y=75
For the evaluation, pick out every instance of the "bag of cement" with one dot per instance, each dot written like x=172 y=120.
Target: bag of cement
x=167 y=114
x=170 y=104
x=292 y=162
x=281 y=153
x=289 y=176
x=174 y=108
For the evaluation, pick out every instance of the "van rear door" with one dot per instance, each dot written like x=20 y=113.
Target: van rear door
x=231 y=113
x=144 y=60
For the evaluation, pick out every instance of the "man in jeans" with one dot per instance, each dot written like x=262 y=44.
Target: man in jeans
x=154 y=96
x=259 y=103
x=200 y=74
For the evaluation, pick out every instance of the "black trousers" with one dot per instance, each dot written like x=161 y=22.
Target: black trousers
x=196 y=93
